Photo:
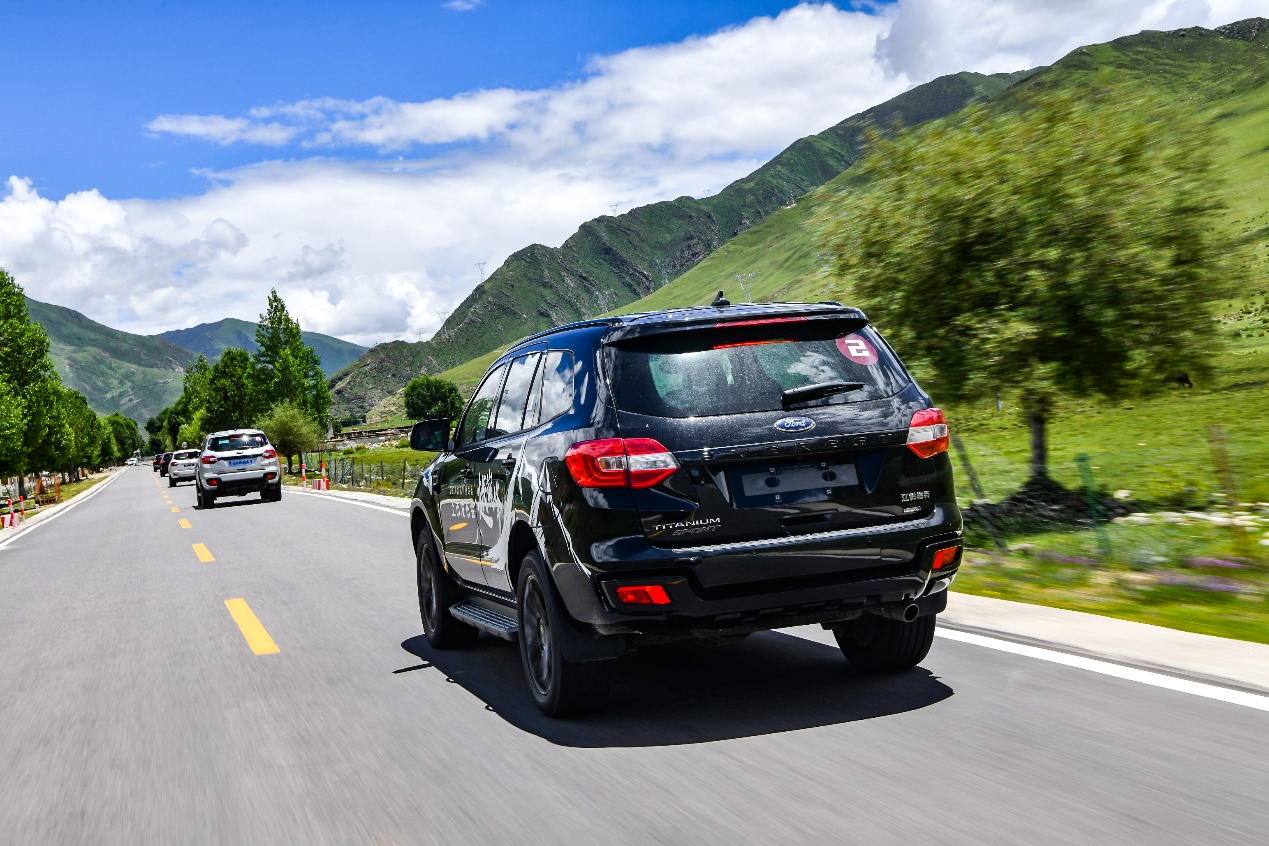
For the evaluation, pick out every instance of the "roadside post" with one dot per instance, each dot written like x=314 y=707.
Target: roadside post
x=303 y=474
x=1094 y=504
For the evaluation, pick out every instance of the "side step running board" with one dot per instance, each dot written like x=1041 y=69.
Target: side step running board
x=485 y=618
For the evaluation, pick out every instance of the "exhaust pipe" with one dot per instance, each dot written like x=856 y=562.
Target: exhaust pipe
x=904 y=613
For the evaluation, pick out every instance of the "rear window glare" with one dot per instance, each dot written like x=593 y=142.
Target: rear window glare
x=229 y=443
x=704 y=373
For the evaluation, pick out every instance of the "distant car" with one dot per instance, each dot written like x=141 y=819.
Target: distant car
x=237 y=462
x=164 y=462
x=155 y=461
x=131 y=462
x=183 y=467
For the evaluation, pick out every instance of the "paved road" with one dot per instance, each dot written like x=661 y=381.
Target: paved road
x=132 y=710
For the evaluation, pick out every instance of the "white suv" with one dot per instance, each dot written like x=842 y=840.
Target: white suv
x=183 y=467
x=237 y=462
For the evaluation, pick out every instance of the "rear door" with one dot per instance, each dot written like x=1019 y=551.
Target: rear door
x=757 y=461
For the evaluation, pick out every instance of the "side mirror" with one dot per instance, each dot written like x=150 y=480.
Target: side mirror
x=430 y=435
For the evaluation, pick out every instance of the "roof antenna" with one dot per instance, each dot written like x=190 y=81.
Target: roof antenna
x=720 y=301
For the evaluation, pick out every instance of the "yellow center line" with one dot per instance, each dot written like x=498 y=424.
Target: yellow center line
x=202 y=552
x=252 y=629
x=185 y=524
x=457 y=526
x=174 y=508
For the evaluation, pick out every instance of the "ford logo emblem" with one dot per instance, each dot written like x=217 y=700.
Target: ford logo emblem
x=794 y=424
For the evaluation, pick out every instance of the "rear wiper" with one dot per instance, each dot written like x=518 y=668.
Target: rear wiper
x=818 y=391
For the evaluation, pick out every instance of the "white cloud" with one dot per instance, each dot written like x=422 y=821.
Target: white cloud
x=374 y=248
x=462 y=5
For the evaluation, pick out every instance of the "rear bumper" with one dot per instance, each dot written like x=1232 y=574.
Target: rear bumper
x=240 y=483
x=779 y=583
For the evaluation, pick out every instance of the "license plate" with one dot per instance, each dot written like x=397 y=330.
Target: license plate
x=241 y=462
x=784 y=480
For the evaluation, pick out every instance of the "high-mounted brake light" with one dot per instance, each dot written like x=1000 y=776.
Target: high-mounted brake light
x=620 y=463
x=269 y=453
x=765 y=321
x=751 y=343
x=210 y=459
x=928 y=433
x=643 y=595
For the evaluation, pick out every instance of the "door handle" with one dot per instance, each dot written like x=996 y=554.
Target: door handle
x=508 y=462
x=465 y=472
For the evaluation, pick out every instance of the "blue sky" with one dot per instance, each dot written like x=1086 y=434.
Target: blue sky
x=166 y=164
x=83 y=79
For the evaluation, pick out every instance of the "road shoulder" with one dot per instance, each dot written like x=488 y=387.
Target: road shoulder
x=1216 y=660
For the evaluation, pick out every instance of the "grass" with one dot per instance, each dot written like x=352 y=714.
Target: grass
x=1196 y=578
x=390 y=470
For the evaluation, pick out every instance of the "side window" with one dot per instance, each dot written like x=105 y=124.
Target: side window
x=476 y=421
x=557 y=384
x=514 y=395
x=535 y=397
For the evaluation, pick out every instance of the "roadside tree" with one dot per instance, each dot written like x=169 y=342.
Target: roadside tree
x=430 y=397
x=232 y=394
x=288 y=369
x=290 y=430
x=1062 y=246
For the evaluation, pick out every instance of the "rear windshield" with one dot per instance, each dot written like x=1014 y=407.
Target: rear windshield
x=185 y=455
x=229 y=443
x=694 y=374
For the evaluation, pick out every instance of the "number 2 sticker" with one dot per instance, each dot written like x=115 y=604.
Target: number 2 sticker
x=857 y=349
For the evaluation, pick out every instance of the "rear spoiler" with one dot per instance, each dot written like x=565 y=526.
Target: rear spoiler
x=844 y=320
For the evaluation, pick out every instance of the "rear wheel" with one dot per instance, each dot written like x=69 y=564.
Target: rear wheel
x=171 y=483
x=206 y=499
x=879 y=644
x=437 y=592
x=559 y=688
x=271 y=493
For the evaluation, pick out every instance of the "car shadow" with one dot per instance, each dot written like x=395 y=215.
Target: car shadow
x=247 y=499
x=665 y=696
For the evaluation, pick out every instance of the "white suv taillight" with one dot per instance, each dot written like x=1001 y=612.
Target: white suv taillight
x=209 y=459
x=928 y=433
x=620 y=463
x=269 y=452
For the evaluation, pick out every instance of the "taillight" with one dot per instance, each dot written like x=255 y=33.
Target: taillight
x=928 y=433
x=269 y=453
x=620 y=463
x=944 y=557
x=643 y=595
x=209 y=459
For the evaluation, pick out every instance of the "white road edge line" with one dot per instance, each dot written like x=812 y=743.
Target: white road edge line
x=1208 y=691
x=92 y=492
x=316 y=495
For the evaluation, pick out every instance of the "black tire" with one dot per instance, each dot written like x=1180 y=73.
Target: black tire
x=559 y=688
x=881 y=645
x=171 y=483
x=271 y=493
x=208 y=499
x=437 y=592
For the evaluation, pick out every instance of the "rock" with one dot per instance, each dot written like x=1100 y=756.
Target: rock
x=1122 y=495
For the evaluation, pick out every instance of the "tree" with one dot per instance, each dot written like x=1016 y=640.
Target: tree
x=232 y=395
x=1064 y=246
x=30 y=382
x=126 y=437
x=429 y=397
x=289 y=370
x=290 y=430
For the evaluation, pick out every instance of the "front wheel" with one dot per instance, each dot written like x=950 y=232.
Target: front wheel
x=560 y=688
x=437 y=592
x=880 y=645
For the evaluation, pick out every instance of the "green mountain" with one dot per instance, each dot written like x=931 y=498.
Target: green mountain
x=1223 y=71
x=116 y=371
x=612 y=261
x=212 y=339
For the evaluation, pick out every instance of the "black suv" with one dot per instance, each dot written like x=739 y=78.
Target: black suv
x=698 y=473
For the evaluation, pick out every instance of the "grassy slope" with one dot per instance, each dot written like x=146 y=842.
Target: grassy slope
x=212 y=339
x=115 y=370
x=611 y=261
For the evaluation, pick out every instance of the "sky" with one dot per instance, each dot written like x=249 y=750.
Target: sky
x=166 y=163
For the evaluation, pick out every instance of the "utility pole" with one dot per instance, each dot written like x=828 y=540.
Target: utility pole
x=613 y=206
x=443 y=314
x=481 y=265
x=745 y=280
